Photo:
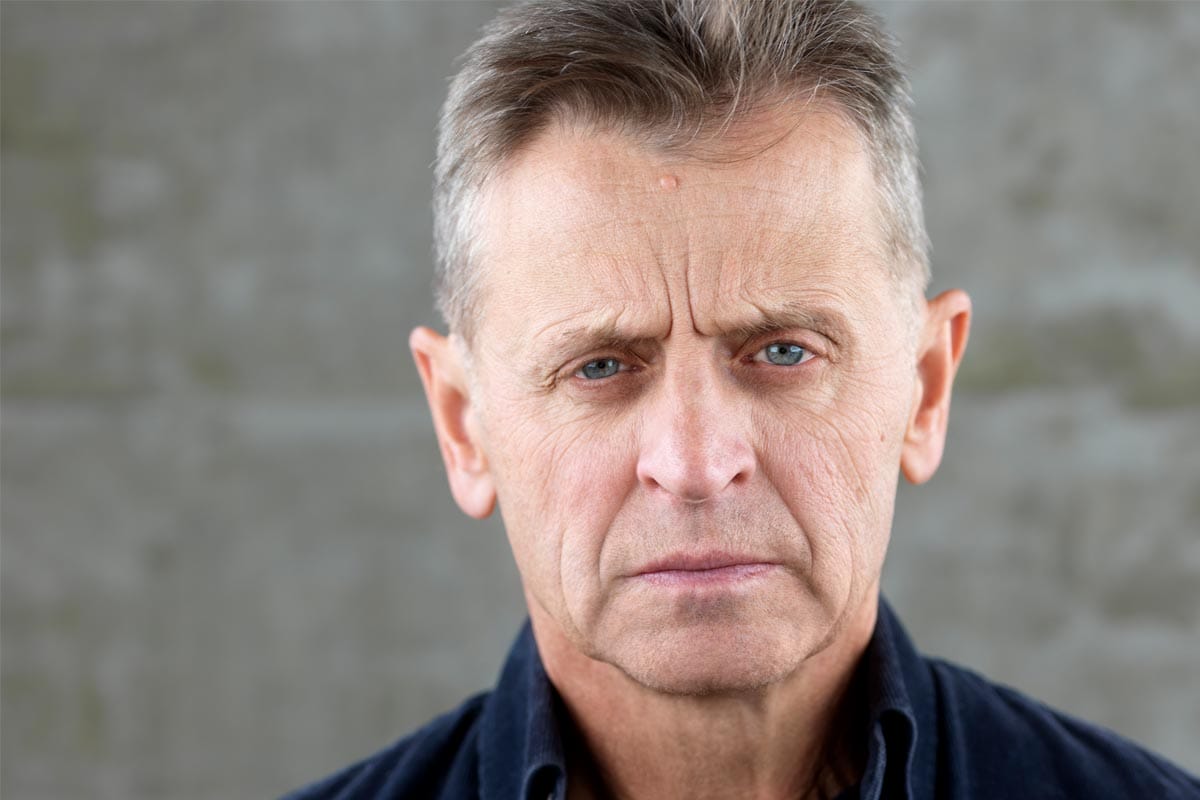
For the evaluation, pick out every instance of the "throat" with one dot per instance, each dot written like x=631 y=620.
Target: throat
x=717 y=748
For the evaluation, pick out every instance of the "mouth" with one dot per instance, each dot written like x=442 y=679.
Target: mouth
x=704 y=569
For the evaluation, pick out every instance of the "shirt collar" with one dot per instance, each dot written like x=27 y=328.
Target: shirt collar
x=902 y=726
x=521 y=748
x=520 y=741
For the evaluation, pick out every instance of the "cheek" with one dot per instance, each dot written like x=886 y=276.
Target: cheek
x=560 y=482
x=835 y=465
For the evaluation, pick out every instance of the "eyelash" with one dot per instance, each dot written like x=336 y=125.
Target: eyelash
x=625 y=367
x=622 y=366
x=808 y=354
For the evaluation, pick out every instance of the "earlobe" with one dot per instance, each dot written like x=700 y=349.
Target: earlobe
x=448 y=392
x=943 y=340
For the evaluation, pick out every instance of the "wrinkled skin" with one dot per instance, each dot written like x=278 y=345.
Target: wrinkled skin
x=620 y=400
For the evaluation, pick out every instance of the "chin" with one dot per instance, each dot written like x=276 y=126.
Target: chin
x=700 y=660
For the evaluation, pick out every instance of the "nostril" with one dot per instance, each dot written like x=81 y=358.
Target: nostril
x=693 y=481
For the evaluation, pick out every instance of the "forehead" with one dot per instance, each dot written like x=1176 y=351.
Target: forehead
x=586 y=222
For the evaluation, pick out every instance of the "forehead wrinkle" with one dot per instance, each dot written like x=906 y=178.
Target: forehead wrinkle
x=806 y=255
x=585 y=188
x=805 y=236
x=575 y=227
x=552 y=255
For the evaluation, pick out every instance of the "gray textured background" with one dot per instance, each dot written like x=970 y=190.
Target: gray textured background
x=230 y=563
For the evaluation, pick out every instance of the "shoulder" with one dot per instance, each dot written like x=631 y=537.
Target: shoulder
x=439 y=759
x=998 y=737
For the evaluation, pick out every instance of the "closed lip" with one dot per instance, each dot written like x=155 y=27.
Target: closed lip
x=703 y=562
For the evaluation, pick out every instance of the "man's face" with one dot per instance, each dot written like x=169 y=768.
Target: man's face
x=691 y=380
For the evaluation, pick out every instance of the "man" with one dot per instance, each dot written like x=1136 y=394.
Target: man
x=689 y=355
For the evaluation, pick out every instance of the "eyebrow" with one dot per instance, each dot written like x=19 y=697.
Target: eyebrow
x=827 y=321
x=577 y=340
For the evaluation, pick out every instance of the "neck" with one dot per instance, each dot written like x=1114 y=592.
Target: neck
x=788 y=740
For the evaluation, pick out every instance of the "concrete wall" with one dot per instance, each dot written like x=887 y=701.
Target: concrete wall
x=230 y=563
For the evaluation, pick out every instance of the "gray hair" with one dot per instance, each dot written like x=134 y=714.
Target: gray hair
x=669 y=71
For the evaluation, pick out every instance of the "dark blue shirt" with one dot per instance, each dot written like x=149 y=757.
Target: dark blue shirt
x=932 y=730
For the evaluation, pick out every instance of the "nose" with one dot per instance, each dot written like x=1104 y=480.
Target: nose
x=694 y=440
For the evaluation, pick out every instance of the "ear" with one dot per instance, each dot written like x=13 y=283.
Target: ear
x=447 y=389
x=940 y=349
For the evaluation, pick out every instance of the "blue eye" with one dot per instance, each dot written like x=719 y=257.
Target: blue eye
x=783 y=354
x=600 y=368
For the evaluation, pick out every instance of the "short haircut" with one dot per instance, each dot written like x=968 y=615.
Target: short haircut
x=672 y=72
